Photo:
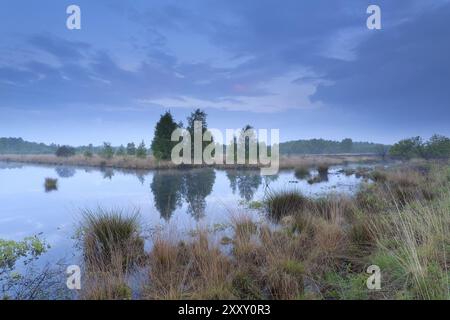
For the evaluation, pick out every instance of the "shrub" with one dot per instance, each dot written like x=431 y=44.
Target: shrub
x=65 y=151
x=407 y=148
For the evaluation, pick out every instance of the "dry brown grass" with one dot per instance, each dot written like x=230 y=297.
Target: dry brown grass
x=149 y=163
x=195 y=270
x=318 y=250
x=125 y=162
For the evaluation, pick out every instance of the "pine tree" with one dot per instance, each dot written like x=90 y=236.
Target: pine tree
x=121 y=151
x=141 y=151
x=108 y=151
x=131 y=149
x=197 y=116
x=162 y=144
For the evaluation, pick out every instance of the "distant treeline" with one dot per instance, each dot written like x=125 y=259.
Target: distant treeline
x=20 y=146
x=314 y=146
x=321 y=146
x=436 y=147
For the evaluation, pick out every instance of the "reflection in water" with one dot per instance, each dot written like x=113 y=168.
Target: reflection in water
x=193 y=186
x=7 y=165
x=108 y=173
x=321 y=177
x=198 y=184
x=247 y=182
x=65 y=172
x=167 y=189
x=141 y=177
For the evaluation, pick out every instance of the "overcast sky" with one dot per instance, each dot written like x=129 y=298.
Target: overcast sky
x=309 y=68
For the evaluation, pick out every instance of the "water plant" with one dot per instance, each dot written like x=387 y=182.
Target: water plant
x=50 y=184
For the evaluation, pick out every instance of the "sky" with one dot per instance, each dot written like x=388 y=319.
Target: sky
x=311 y=69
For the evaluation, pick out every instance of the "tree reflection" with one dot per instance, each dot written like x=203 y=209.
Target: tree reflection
x=246 y=181
x=65 y=172
x=193 y=186
x=198 y=185
x=108 y=173
x=167 y=189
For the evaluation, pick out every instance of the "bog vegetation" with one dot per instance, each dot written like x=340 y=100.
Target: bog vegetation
x=312 y=249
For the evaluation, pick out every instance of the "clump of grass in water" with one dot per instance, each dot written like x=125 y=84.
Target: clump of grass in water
x=301 y=173
x=51 y=184
x=323 y=169
x=111 y=239
x=284 y=203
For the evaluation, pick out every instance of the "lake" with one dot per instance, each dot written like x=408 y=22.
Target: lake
x=179 y=198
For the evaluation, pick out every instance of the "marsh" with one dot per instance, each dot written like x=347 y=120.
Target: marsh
x=181 y=198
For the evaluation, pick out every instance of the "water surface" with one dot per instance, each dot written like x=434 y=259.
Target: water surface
x=181 y=198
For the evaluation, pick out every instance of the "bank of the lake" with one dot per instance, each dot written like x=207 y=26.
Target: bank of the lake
x=150 y=163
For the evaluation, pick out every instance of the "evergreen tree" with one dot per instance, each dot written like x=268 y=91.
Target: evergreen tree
x=108 y=151
x=200 y=116
x=141 y=151
x=121 y=151
x=162 y=144
x=347 y=145
x=131 y=149
x=89 y=152
x=247 y=137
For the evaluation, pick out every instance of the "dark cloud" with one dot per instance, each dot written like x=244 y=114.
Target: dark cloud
x=400 y=73
x=239 y=55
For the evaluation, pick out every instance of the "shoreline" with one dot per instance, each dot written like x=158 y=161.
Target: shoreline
x=149 y=163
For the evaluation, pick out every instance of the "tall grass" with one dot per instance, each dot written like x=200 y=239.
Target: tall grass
x=112 y=246
x=317 y=249
x=283 y=203
x=416 y=236
x=108 y=236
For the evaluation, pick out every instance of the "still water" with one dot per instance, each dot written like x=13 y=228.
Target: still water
x=180 y=198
